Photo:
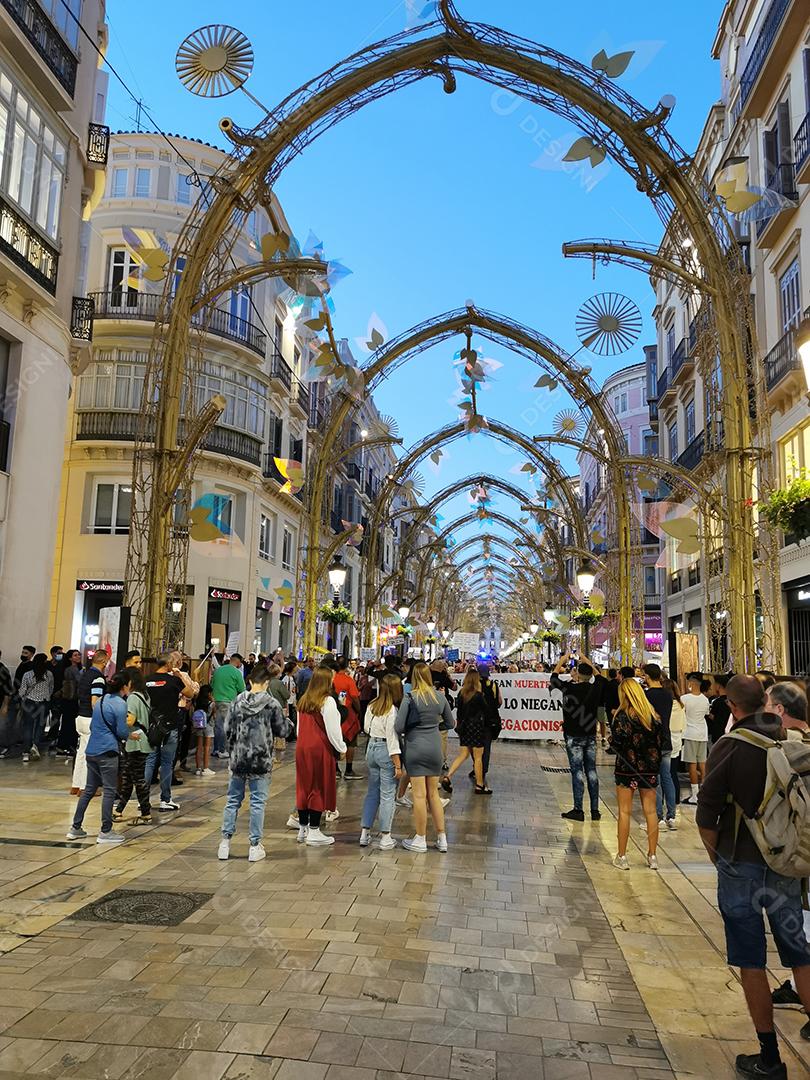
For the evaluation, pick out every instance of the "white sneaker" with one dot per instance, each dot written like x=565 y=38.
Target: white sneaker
x=621 y=863
x=303 y=832
x=405 y=801
x=652 y=862
x=444 y=802
x=293 y=822
x=256 y=853
x=224 y=849
x=109 y=838
x=365 y=838
x=672 y=824
x=331 y=815
x=415 y=843
x=207 y=773
x=170 y=805
x=387 y=843
x=35 y=754
x=198 y=772
x=315 y=838
x=441 y=842
x=25 y=759
x=690 y=800
x=643 y=825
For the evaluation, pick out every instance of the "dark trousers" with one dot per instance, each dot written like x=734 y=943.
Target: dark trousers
x=312 y=818
x=34 y=718
x=68 y=739
x=676 y=780
x=102 y=772
x=133 y=768
x=487 y=753
x=185 y=740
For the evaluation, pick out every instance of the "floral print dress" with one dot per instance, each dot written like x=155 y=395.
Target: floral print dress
x=638 y=752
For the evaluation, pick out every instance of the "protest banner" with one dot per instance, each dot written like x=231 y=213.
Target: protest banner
x=529 y=710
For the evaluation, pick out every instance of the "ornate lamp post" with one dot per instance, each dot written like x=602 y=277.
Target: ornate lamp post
x=404 y=611
x=336 y=573
x=431 y=629
x=549 y=619
x=585 y=580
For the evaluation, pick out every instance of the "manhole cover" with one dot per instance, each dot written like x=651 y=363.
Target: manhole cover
x=139 y=906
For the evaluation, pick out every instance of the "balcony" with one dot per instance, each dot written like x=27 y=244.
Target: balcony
x=81 y=318
x=694 y=574
x=21 y=243
x=782 y=181
x=281 y=370
x=715 y=564
x=782 y=360
x=675 y=583
x=652 y=600
x=270 y=472
x=780 y=30
x=801 y=152
x=128 y=304
x=125 y=427
x=46 y=40
x=5 y=442
x=300 y=396
x=682 y=363
x=317 y=412
x=354 y=472
x=693 y=454
x=664 y=388
x=372 y=490
x=652 y=406
x=336 y=522
x=98 y=144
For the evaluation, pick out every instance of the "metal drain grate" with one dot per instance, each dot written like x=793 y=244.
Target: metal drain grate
x=152 y=908
x=554 y=768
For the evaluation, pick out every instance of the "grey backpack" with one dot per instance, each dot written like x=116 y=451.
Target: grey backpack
x=781 y=825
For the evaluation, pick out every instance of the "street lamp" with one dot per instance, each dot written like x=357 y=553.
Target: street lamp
x=337 y=576
x=549 y=616
x=431 y=629
x=585 y=580
x=534 y=627
x=404 y=611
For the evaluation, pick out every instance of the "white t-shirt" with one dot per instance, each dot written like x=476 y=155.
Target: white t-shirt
x=696 y=706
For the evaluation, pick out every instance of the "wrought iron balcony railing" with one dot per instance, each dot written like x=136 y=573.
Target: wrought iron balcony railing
x=270 y=471
x=677 y=359
x=801 y=143
x=46 y=39
x=81 y=318
x=280 y=369
x=782 y=359
x=130 y=304
x=762 y=47
x=125 y=427
x=652 y=600
x=302 y=395
x=693 y=454
x=353 y=471
x=317 y=412
x=21 y=243
x=662 y=383
x=98 y=144
x=5 y=441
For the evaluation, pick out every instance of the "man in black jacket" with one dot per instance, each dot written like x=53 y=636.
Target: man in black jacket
x=582 y=696
x=746 y=887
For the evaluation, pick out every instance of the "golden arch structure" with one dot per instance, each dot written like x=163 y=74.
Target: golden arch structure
x=634 y=136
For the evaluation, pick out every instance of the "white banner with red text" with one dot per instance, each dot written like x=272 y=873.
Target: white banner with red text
x=529 y=710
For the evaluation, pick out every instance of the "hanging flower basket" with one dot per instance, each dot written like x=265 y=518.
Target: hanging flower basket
x=585 y=616
x=335 y=613
x=551 y=636
x=788 y=508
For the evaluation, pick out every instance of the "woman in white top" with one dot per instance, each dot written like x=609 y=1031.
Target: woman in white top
x=320 y=744
x=383 y=761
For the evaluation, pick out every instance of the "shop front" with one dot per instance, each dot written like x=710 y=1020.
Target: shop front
x=797 y=599
x=224 y=610
x=263 y=626
x=92 y=594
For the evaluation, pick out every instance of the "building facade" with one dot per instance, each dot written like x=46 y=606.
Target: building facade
x=52 y=159
x=762 y=123
x=625 y=393
x=246 y=537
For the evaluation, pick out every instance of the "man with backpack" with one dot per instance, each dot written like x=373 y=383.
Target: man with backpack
x=740 y=770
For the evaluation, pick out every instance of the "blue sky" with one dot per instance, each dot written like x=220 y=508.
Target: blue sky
x=430 y=198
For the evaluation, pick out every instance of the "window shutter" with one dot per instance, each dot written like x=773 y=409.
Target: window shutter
x=163 y=182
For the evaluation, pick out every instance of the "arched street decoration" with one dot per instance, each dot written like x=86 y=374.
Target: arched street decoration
x=635 y=137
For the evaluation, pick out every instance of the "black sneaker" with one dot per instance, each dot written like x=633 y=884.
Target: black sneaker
x=784 y=996
x=350 y=775
x=574 y=815
x=805 y=1031
x=596 y=815
x=753 y=1065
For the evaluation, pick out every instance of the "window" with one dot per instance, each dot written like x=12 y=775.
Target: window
x=778 y=153
x=239 y=308
x=794 y=454
x=670 y=342
x=297 y=360
x=296 y=449
x=650 y=581
x=244 y=395
x=650 y=445
x=673 y=442
x=620 y=404
x=275 y=435
x=287 y=548
x=65 y=15
x=115 y=381
x=143 y=183
x=120 y=182
x=278 y=336
x=689 y=420
x=32 y=159
x=123 y=278
x=790 y=304
x=112 y=506
x=183 y=189
x=267 y=536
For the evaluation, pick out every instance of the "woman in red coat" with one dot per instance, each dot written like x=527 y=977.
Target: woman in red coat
x=320 y=743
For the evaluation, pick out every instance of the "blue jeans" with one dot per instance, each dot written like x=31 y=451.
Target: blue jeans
x=167 y=752
x=220 y=712
x=102 y=772
x=745 y=893
x=259 y=786
x=581 y=750
x=382 y=786
x=34 y=717
x=666 y=782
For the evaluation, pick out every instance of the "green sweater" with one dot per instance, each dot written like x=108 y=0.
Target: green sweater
x=227 y=683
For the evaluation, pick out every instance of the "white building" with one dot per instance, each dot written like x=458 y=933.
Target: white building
x=52 y=156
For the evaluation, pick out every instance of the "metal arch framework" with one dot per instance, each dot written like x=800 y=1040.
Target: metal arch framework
x=632 y=135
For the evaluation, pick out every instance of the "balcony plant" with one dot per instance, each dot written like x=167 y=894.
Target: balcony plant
x=335 y=613
x=788 y=508
x=585 y=616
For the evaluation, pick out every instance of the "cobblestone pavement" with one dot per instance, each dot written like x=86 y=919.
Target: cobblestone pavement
x=519 y=954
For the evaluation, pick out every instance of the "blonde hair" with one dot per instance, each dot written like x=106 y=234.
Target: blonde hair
x=422 y=682
x=634 y=702
x=388 y=696
x=317 y=691
x=471 y=685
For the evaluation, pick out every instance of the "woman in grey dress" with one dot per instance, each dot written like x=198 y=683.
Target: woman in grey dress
x=423 y=714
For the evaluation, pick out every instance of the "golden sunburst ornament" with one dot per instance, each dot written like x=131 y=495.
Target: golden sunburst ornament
x=609 y=324
x=214 y=61
x=568 y=422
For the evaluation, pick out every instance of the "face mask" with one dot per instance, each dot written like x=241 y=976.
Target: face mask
x=23 y=658
x=59 y=656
